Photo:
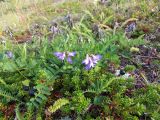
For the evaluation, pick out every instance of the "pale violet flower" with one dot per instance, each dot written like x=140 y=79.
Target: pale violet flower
x=9 y=54
x=67 y=55
x=60 y=55
x=131 y=27
x=96 y=58
x=71 y=54
x=91 y=61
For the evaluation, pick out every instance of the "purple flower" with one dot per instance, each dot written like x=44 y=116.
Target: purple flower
x=55 y=29
x=67 y=55
x=131 y=27
x=60 y=55
x=71 y=54
x=9 y=54
x=96 y=58
x=69 y=59
x=86 y=61
x=91 y=61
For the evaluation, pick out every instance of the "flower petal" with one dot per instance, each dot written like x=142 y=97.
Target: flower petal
x=96 y=58
x=71 y=54
x=69 y=59
x=9 y=54
x=86 y=61
x=60 y=55
x=91 y=63
x=87 y=67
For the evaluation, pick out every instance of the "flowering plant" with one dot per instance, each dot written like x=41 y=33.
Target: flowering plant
x=67 y=55
x=91 y=61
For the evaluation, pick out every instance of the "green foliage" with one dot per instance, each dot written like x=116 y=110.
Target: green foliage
x=40 y=96
x=41 y=73
x=129 y=68
x=79 y=102
x=26 y=82
x=6 y=94
x=100 y=86
x=57 y=105
x=18 y=114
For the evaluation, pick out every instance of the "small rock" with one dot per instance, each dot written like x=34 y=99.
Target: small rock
x=122 y=72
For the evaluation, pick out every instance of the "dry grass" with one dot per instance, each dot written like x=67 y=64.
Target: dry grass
x=20 y=14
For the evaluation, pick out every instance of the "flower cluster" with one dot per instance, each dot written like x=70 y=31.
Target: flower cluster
x=90 y=61
x=67 y=55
